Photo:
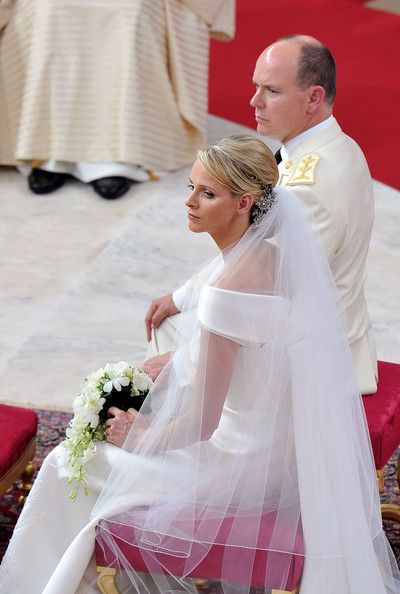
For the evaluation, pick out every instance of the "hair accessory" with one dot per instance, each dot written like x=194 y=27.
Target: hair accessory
x=263 y=205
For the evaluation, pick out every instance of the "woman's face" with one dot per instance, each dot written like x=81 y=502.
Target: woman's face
x=211 y=206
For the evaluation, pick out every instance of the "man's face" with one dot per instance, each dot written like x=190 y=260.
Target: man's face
x=280 y=106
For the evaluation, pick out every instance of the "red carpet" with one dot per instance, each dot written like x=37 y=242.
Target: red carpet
x=365 y=44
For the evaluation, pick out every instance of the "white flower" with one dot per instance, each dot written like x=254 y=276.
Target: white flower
x=95 y=377
x=121 y=368
x=141 y=380
x=85 y=427
x=86 y=455
x=116 y=383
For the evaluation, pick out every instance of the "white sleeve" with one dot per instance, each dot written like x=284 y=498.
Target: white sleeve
x=179 y=297
x=245 y=318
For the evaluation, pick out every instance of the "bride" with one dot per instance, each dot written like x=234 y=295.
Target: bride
x=257 y=411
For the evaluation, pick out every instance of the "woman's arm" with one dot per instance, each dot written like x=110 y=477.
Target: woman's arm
x=214 y=373
x=211 y=383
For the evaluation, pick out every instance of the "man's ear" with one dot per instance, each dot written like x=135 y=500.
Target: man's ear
x=316 y=98
x=245 y=203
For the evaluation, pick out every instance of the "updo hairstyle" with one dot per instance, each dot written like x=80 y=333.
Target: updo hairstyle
x=243 y=164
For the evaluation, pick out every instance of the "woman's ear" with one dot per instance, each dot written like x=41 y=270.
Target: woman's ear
x=245 y=203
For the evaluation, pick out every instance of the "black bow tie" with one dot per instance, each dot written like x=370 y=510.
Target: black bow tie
x=278 y=157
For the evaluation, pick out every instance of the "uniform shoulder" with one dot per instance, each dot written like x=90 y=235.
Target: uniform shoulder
x=303 y=171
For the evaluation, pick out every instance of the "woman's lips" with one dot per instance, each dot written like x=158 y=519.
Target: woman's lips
x=192 y=216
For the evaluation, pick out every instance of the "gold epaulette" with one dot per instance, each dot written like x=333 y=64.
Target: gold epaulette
x=304 y=170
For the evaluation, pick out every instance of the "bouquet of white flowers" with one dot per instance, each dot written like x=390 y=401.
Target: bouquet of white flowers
x=118 y=384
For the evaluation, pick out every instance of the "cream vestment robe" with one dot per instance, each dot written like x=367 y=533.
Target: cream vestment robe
x=114 y=81
x=5 y=12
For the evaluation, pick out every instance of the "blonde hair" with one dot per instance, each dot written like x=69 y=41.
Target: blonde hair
x=242 y=163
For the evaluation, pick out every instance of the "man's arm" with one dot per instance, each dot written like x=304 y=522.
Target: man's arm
x=329 y=224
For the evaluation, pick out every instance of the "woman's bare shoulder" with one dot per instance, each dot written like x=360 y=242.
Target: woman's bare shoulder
x=254 y=272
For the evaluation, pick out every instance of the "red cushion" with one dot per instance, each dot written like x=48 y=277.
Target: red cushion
x=383 y=416
x=17 y=427
x=383 y=413
x=280 y=565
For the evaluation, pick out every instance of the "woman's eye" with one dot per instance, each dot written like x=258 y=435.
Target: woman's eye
x=208 y=194
x=191 y=187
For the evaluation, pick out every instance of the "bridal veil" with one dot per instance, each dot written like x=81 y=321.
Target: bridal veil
x=258 y=411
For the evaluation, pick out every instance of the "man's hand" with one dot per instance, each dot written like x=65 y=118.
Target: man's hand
x=119 y=424
x=155 y=365
x=159 y=309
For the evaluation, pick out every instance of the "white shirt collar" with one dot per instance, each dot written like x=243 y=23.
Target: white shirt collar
x=291 y=144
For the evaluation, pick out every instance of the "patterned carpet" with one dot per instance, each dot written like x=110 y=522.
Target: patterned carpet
x=51 y=431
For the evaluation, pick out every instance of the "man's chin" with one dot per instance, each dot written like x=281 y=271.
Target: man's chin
x=264 y=130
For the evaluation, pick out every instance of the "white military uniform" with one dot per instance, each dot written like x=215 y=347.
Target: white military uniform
x=328 y=171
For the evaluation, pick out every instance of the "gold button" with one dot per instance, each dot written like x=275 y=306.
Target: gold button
x=288 y=164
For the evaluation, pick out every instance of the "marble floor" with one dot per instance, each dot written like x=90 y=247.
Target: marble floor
x=77 y=274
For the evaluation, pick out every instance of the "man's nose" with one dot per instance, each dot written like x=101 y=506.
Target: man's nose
x=255 y=101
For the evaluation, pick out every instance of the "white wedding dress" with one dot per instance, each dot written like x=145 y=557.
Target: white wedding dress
x=53 y=541
x=257 y=411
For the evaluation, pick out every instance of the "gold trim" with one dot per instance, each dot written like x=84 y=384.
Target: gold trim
x=152 y=175
x=398 y=470
x=201 y=583
x=304 y=172
x=380 y=477
x=18 y=468
x=390 y=511
x=105 y=580
x=36 y=164
x=27 y=480
x=285 y=591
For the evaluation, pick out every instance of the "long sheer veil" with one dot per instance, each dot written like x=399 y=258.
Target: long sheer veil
x=257 y=413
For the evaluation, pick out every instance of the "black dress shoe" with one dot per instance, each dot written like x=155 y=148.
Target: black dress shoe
x=44 y=182
x=111 y=187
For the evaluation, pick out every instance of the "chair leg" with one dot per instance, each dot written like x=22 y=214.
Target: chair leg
x=26 y=479
x=105 y=580
x=380 y=478
x=201 y=584
x=390 y=511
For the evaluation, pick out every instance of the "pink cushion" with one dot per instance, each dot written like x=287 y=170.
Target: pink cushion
x=17 y=427
x=280 y=565
x=383 y=416
x=383 y=413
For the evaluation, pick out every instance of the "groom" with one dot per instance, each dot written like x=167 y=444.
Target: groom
x=295 y=85
x=295 y=89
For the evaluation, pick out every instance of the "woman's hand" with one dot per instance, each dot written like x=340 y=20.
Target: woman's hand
x=159 y=309
x=156 y=364
x=119 y=424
